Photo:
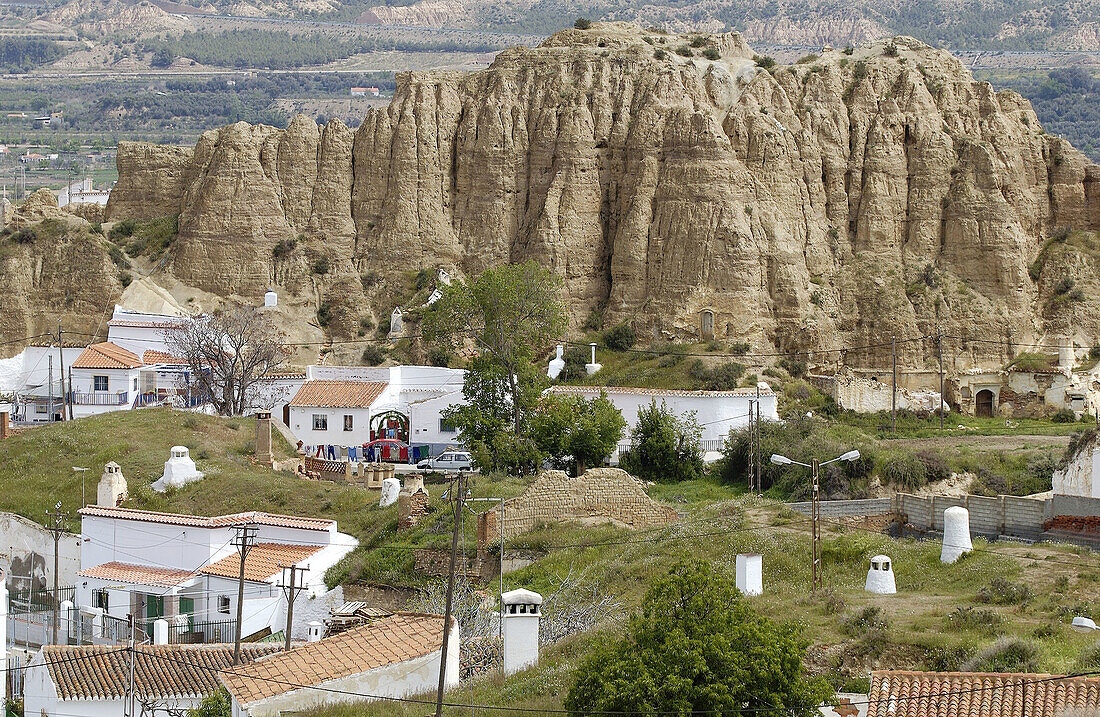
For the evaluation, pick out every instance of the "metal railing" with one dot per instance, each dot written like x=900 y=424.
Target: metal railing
x=202 y=632
x=99 y=398
x=23 y=601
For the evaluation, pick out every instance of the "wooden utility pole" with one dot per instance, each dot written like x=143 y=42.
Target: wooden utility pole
x=759 y=449
x=460 y=496
x=61 y=364
x=752 y=449
x=56 y=529
x=939 y=350
x=243 y=541
x=291 y=591
x=894 y=386
x=815 y=512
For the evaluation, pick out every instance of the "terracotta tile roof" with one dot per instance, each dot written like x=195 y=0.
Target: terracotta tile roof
x=656 y=392
x=337 y=394
x=960 y=694
x=141 y=574
x=263 y=561
x=218 y=521
x=103 y=671
x=400 y=637
x=106 y=355
x=152 y=357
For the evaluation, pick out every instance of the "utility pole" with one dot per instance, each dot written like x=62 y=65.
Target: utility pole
x=61 y=363
x=70 y=390
x=56 y=529
x=752 y=449
x=459 y=498
x=939 y=350
x=129 y=706
x=243 y=541
x=49 y=384
x=759 y=449
x=291 y=591
x=894 y=386
x=815 y=511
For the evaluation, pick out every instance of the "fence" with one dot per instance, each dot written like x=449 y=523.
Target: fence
x=81 y=398
x=195 y=632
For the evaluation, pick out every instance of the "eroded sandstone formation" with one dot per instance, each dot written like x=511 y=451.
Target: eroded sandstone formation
x=841 y=201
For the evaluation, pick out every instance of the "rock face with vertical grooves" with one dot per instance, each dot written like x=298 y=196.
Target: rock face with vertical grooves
x=841 y=201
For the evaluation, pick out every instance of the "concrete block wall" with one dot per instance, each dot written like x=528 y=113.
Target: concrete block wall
x=1024 y=517
x=600 y=493
x=941 y=503
x=1002 y=515
x=918 y=509
x=1080 y=506
x=986 y=514
x=846 y=508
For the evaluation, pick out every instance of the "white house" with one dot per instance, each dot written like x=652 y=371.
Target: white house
x=104 y=378
x=184 y=568
x=81 y=191
x=717 y=412
x=352 y=405
x=139 y=331
x=395 y=656
x=92 y=680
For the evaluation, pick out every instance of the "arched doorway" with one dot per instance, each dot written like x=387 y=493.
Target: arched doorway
x=983 y=403
x=391 y=424
x=706 y=324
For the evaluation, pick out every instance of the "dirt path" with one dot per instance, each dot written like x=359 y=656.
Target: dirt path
x=1014 y=442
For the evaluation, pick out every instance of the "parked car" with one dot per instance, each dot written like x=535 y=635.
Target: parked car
x=449 y=461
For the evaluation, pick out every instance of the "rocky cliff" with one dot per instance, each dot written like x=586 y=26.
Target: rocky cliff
x=841 y=201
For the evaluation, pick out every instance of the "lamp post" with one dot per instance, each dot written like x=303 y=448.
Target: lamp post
x=82 y=472
x=815 y=503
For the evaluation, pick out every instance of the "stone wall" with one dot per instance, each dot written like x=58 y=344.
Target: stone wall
x=600 y=495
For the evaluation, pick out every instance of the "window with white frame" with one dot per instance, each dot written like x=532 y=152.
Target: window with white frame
x=320 y=422
x=99 y=383
x=223 y=604
x=101 y=599
x=446 y=426
x=349 y=422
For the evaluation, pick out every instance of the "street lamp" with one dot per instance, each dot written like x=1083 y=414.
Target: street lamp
x=815 y=502
x=82 y=471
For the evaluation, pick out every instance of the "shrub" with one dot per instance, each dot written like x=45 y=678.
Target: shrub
x=869 y=618
x=698 y=41
x=659 y=54
x=806 y=59
x=282 y=248
x=891 y=50
x=122 y=230
x=848 y=49
x=1001 y=591
x=684 y=51
x=767 y=62
x=373 y=355
x=125 y=279
x=582 y=23
x=946 y=659
x=935 y=466
x=575 y=359
x=324 y=314
x=620 y=338
x=665 y=447
x=796 y=368
x=904 y=471
x=1064 y=415
x=370 y=279
x=975 y=618
x=424 y=278
x=118 y=257
x=859 y=70
x=1005 y=655
x=740 y=348
x=1063 y=286
x=439 y=357
x=594 y=321
x=721 y=378
x=321 y=265
x=712 y=54
x=1089 y=659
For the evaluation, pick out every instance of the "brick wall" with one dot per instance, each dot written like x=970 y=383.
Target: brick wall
x=602 y=494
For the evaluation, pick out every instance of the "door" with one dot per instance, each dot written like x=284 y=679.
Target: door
x=154 y=607
x=286 y=415
x=187 y=607
x=983 y=403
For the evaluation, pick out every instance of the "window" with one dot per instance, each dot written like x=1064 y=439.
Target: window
x=101 y=599
x=320 y=422
x=446 y=426
x=99 y=383
x=39 y=408
x=348 y=422
x=223 y=604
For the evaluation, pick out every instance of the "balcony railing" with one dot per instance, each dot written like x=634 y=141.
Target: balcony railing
x=99 y=398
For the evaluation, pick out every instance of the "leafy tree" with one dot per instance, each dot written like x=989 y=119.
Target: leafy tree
x=620 y=338
x=215 y=704
x=573 y=427
x=697 y=647
x=511 y=313
x=665 y=447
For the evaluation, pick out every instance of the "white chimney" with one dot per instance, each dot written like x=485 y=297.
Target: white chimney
x=112 y=486
x=160 y=632
x=391 y=488
x=880 y=577
x=314 y=631
x=522 y=613
x=557 y=363
x=956 y=534
x=592 y=367
x=750 y=579
x=271 y=298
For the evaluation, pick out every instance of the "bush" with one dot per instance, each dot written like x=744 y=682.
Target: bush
x=684 y=51
x=712 y=54
x=721 y=378
x=321 y=265
x=767 y=62
x=620 y=338
x=904 y=471
x=1089 y=659
x=582 y=23
x=1001 y=591
x=796 y=368
x=665 y=447
x=946 y=659
x=439 y=357
x=25 y=235
x=740 y=348
x=935 y=466
x=975 y=618
x=122 y=230
x=1064 y=415
x=867 y=619
x=373 y=355
x=1063 y=286
x=1005 y=655
x=282 y=248
x=848 y=49
x=659 y=54
x=698 y=41
x=370 y=279
x=891 y=50
x=575 y=359
x=324 y=314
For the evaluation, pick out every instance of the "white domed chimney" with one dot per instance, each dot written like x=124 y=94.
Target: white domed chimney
x=956 y=534
x=522 y=612
x=880 y=577
x=271 y=298
x=112 y=486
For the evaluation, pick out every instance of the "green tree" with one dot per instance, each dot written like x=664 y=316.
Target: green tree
x=697 y=647
x=665 y=447
x=511 y=313
x=573 y=428
x=215 y=704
